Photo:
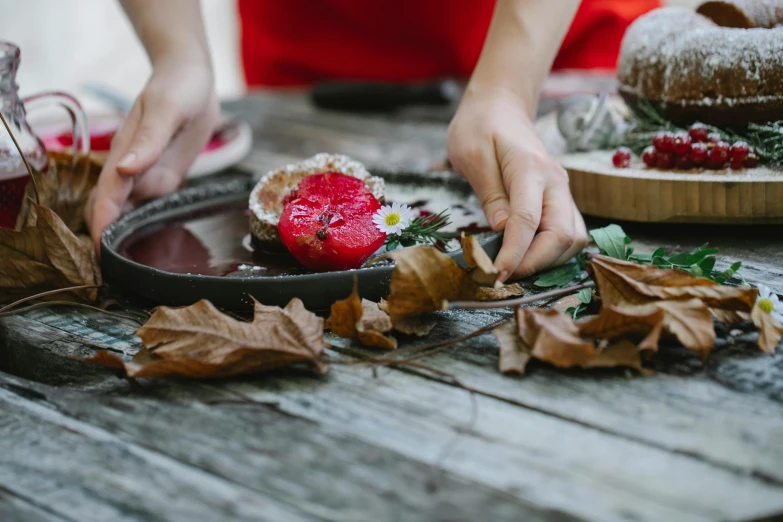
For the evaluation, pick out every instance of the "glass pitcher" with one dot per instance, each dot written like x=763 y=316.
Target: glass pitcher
x=13 y=173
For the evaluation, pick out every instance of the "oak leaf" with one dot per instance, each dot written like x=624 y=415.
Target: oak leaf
x=199 y=341
x=362 y=320
x=624 y=282
x=482 y=271
x=423 y=280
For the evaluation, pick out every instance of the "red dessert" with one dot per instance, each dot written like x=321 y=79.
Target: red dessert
x=328 y=225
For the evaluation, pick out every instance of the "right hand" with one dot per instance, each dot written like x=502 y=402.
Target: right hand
x=171 y=121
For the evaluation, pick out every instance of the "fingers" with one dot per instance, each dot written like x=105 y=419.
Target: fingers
x=160 y=120
x=526 y=193
x=581 y=239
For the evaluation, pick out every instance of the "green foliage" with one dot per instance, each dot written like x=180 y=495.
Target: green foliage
x=422 y=231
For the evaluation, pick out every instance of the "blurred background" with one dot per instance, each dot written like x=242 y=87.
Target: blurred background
x=66 y=44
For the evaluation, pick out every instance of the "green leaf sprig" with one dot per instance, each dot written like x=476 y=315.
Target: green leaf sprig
x=612 y=241
x=423 y=230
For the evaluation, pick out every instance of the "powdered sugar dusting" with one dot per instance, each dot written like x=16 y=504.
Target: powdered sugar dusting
x=676 y=56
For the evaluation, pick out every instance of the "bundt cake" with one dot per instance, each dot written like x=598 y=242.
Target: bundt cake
x=272 y=191
x=722 y=64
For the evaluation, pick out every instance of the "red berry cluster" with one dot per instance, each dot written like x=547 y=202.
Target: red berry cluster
x=696 y=148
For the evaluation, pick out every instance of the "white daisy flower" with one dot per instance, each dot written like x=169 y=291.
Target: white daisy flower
x=393 y=219
x=769 y=302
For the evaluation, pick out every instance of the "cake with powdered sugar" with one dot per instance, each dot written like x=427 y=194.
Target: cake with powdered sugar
x=278 y=187
x=721 y=64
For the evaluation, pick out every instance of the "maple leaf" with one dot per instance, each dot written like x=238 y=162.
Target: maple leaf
x=199 y=341
x=362 y=320
x=624 y=282
x=482 y=270
x=423 y=279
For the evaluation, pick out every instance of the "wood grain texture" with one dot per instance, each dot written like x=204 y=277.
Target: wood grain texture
x=650 y=195
x=17 y=509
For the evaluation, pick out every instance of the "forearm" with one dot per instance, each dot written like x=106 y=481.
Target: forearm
x=169 y=29
x=523 y=40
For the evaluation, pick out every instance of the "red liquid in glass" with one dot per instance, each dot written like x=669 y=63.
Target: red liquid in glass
x=12 y=191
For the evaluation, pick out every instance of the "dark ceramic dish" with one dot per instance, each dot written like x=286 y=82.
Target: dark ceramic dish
x=193 y=245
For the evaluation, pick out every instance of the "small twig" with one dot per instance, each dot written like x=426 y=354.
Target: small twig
x=24 y=159
x=519 y=301
x=67 y=303
x=44 y=294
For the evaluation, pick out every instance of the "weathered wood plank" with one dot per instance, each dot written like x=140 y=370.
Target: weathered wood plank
x=535 y=455
x=86 y=473
x=325 y=474
x=16 y=509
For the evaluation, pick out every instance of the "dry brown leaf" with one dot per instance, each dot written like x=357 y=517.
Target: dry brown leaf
x=622 y=282
x=64 y=189
x=514 y=354
x=419 y=325
x=569 y=301
x=770 y=331
x=75 y=259
x=482 y=270
x=622 y=353
x=199 y=341
x=553 y=337
x=689 y=321
x=497 y=294
x=44 y=257
x=729 y=316
x=423 y=279
x=362 y=320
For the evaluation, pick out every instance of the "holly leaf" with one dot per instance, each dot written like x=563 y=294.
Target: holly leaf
x=423 y=280
x=200 y=342
x=559 y=276
x=611 y=241
x=362 y=320
x=482 y=270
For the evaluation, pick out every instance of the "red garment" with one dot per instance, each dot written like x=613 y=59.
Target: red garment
x=298 y=42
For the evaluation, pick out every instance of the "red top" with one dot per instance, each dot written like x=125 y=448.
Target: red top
x=298 y=42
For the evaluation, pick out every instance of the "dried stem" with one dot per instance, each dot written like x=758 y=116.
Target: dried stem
x=44 y=294
x=519 y=301
x=26 y=164
x=68 y=303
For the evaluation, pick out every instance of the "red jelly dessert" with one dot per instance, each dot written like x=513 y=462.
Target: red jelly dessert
x=328 y=225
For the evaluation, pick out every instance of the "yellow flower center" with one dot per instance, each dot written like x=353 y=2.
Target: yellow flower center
x=766 y=305
x=393 y=219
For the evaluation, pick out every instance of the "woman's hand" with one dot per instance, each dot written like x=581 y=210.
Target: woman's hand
x=171 y=121
x=522 y=189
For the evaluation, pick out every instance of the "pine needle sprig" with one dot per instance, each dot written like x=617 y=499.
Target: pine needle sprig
x=423 y=230
x=647 y=121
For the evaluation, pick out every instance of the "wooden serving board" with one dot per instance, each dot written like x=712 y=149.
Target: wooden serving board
x=753 y=196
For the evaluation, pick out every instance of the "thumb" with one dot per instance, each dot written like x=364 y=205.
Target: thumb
x=159 y=121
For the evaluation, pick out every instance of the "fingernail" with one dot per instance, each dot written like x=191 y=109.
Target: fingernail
x=499 y=217
x=503 y=276
x=127 y=161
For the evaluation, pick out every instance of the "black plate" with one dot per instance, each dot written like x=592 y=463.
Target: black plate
x=218 y=206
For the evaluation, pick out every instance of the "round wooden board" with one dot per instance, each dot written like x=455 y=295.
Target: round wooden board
x=753 y=196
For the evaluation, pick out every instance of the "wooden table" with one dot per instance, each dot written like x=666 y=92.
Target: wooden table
x=690 y=443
